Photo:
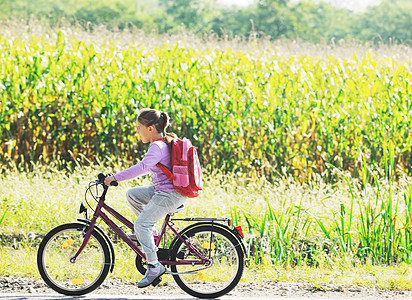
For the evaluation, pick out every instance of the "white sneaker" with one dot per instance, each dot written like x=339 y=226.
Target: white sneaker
x=152 y=275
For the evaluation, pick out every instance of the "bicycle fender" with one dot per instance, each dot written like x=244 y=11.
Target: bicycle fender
x=107 y=239
x=220 y=225
x=239 y=238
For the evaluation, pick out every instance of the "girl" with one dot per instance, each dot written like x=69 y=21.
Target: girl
x=151 y=203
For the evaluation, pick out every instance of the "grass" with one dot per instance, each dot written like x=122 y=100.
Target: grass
x=283 y=223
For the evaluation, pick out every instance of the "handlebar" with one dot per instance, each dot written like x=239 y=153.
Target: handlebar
x=101 y=177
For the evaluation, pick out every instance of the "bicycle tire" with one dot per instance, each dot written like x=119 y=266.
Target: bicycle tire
x=140 y=265
x=89 y=270
x=222 y=275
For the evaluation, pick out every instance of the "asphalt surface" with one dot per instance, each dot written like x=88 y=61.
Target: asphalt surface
x=99 y=297
x=124 y=297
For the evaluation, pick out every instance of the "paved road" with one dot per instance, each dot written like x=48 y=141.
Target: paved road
x=124 y=297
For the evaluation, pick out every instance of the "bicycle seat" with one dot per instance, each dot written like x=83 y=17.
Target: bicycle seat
x=180 y=208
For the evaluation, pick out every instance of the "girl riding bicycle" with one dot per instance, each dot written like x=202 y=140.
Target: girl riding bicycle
x=151 y=203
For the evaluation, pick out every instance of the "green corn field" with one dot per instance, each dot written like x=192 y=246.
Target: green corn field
x=254 y=112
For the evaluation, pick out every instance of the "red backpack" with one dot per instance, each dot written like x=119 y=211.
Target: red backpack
x=186 y=174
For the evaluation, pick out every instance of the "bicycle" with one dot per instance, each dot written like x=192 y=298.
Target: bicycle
x=206 y=258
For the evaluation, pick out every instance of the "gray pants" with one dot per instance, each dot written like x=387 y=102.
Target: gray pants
x=150 y=207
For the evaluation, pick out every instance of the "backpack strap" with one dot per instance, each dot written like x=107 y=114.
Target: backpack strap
x=166 y=171
x=185 y=146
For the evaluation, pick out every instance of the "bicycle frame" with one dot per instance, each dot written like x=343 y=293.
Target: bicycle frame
x=99 y=213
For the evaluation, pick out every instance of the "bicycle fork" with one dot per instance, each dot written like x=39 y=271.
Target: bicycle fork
x=85 y=240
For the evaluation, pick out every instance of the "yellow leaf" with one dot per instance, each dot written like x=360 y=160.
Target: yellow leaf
x=68 y=243
x=203 y=277
x=77 y=281
x=208 y=246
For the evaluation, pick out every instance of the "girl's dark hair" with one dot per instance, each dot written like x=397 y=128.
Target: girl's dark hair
x=160 y=120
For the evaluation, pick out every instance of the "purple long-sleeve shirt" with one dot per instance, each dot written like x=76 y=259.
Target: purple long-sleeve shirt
x=158 y=152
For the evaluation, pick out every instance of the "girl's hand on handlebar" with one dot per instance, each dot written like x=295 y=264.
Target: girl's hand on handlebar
x=108 y=180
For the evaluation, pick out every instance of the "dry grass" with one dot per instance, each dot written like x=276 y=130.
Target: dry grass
x=258 y=45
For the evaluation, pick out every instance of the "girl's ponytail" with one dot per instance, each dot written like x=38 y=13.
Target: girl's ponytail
x=168 y=137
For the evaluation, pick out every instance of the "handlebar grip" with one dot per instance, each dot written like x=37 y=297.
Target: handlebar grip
x=102 y=177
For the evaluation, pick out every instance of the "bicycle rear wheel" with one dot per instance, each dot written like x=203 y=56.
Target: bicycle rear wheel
x=90 y=268
x=224 y=271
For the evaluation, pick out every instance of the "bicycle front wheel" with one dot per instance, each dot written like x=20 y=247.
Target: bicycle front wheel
x=82 y=276
x=224 y=269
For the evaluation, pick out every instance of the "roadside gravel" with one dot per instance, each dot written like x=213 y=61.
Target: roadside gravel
x=261 y=289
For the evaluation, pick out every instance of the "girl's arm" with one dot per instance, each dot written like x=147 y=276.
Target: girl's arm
x=151 y=158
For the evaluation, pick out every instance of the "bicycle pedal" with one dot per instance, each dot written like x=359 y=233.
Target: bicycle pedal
x=157 y=281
